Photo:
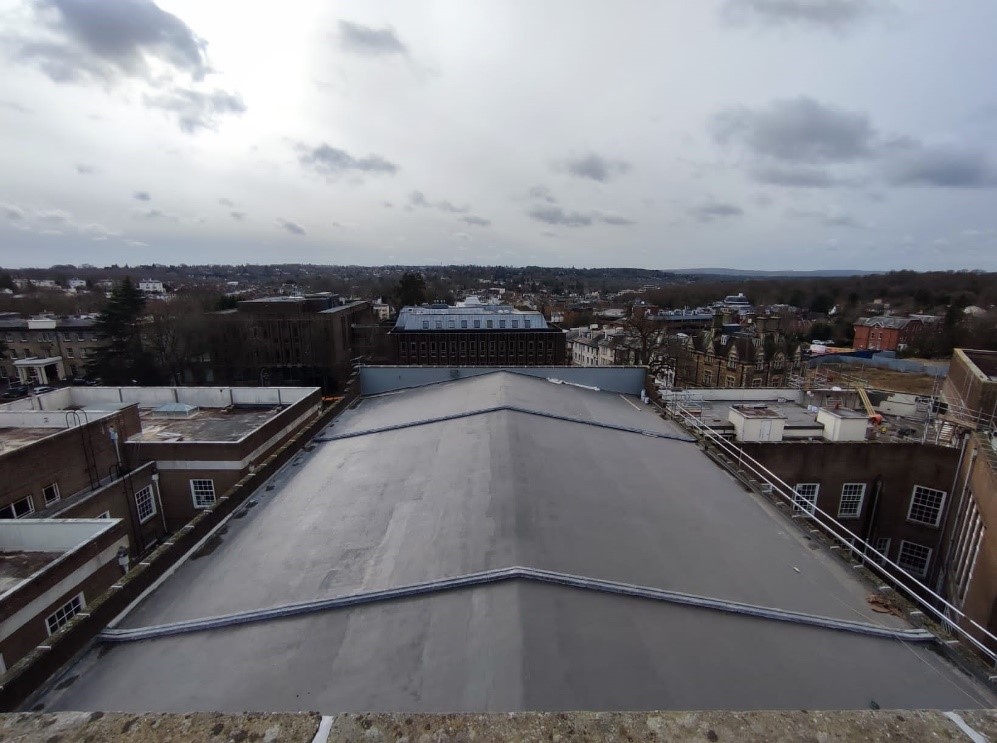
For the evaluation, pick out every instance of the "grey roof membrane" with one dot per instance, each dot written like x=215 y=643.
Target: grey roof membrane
x=491 y=491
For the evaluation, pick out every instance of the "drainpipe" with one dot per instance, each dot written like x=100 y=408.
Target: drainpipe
x=877 y=488
x=159 y=501
x=117 y=446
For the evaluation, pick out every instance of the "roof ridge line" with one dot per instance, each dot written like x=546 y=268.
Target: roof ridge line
x=498 y=408
x=498 y=575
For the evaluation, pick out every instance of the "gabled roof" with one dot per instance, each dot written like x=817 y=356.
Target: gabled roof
x=487 y=473
x=886 y=322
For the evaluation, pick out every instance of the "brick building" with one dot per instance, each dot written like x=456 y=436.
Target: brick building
x=44 y=350
x=302 y=340
x=895 y=496
x=49 y=571
x=485 y=335
x=969 y=568
x=886 y=333
x=971 y=383
x=69 y=464
x=752 y=353
x=199 y=442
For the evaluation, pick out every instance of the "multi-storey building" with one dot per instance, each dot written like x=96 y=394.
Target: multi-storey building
x=63 y=449
x=753 y=353
x=43 y=350
x=484 y=335
x=307 y=340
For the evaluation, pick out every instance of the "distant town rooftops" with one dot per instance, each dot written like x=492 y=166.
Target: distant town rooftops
x=46 y=323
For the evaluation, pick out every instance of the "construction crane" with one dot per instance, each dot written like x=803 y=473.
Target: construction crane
x=867 y=404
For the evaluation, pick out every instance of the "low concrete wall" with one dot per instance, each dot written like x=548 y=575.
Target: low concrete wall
x=50 y=535
x=735 y=394
x=375 y=380
x=304 y=727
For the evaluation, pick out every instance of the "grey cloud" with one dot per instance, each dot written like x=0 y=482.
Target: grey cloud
x=542 y=193
x=836 y=15
x=446 y=206
x=795 y=176
x=557 y=216
x=226 y=202
x=54 y=216
x=388 y=205
x=142 y=196
x=153 y=214
x=418 y=198
x=614 y=219
x=12 y=212
x=238 y=216
x=828 y=219
x=331 y=161
x=196 y=110
x=292 y=227
x=715 y=210
x=476 y=220
x=594 y=167
x=799 y=130
x=369 y=41
x=84 y=169
x=911 y=163
x=15 y=106
x=101 y=41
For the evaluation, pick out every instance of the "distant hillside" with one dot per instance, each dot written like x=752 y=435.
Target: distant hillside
x=771 y=274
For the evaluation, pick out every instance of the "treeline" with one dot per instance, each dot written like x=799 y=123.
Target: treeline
x=904 y=291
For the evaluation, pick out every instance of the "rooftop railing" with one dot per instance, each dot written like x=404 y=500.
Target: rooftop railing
x=933 y=604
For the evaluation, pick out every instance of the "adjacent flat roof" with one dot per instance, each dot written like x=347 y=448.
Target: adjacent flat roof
x=411 y=503
x=204 y=424
x=17 y=565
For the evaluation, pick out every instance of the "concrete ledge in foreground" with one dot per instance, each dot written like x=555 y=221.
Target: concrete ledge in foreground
x=828 y=727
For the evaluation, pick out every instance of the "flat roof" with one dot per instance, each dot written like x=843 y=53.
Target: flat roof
x=206 y=424
x=16 y=566
x=985 y=361
x=12 y=438
x=552 y=489
x=757 y=411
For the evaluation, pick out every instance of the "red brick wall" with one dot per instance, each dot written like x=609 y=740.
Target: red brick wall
x=71 y=458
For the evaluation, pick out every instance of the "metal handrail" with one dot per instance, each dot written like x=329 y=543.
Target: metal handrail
x=852 y=541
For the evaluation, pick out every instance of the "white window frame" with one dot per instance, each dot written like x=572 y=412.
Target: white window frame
x=50 y=501
x=908 y=566
x=149 y=506
x=13 y=511
x=881 y=545
x=803 y=501
x=198 y=492
x=921 y=490
x=856 y=511
x=65 y=613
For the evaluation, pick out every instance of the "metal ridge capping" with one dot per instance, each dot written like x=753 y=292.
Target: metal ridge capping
x=488 y=577
x=511 y=408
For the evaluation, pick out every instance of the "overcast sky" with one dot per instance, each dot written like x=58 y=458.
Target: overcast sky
x=771 y=134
